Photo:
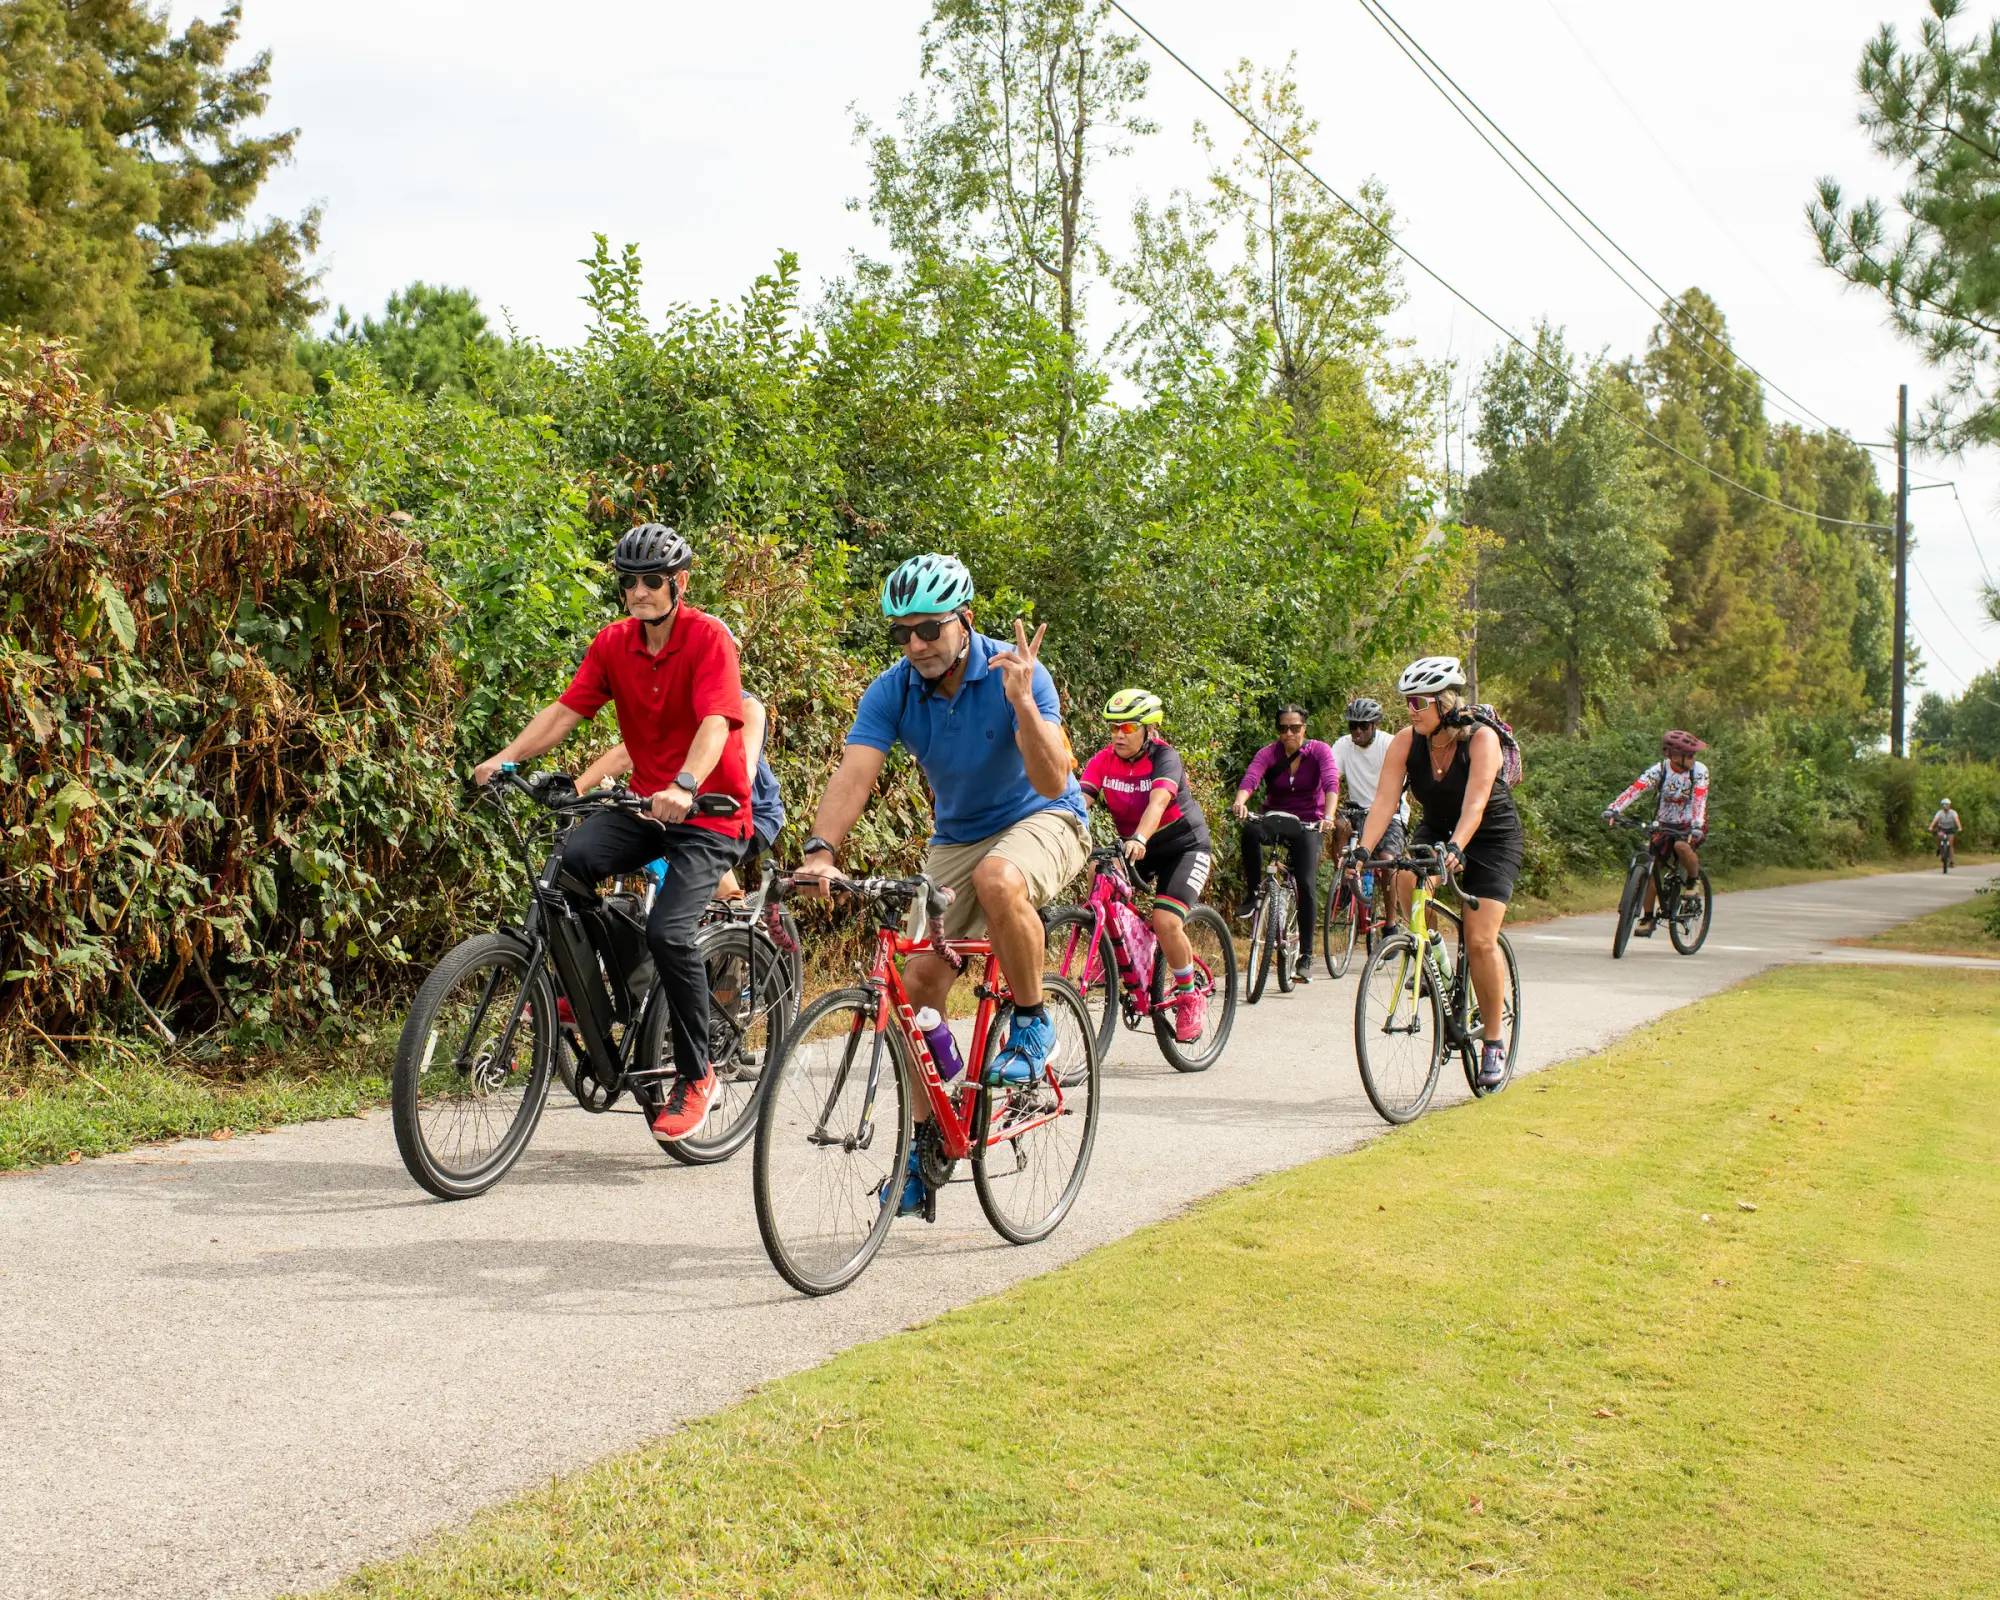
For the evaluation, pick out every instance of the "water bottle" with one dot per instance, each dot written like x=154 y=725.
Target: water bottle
x=944 y=1048
x=1367 y=884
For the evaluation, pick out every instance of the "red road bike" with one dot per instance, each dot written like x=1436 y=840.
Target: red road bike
x=836 y=1128
x=1106 y=950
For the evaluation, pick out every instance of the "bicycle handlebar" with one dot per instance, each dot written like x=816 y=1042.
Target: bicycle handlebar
x=617 y=798
x=1671 y=828
x=1431 y=862
x=884 y=891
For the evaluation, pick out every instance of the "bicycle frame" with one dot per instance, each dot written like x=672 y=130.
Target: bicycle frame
x=1112 y=886
x=954 y=1111
x=1428 y=942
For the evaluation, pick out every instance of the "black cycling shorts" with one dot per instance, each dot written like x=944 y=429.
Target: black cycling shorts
x=1176 y=879
x=1492 y=861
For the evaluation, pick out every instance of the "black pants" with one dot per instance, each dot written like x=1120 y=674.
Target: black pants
x=614 y=842
x=1301 y=843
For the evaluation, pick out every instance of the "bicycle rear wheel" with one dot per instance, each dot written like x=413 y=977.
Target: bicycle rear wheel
x=1340 y=924
x=1215 y=977
x=744 y=1030
x=464 y=1108
x=1475 y=1027
x=829 y=1164
x=1258 y=954
x=1398 y=1030
x=1095 y=978
x=1689 y=928
x=1628 y=904
x=1031 y=1145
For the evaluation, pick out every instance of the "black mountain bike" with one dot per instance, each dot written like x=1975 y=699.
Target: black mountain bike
x=1274 y=919
x=486 y=1028
x=1684 y=906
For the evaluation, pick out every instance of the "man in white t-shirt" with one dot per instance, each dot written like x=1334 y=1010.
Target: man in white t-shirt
x=1360 y=755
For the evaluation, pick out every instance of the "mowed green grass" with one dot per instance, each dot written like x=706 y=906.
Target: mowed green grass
x=1957 y=930
x=1540 y=1345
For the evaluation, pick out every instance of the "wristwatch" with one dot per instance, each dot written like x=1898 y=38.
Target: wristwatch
x=817 y=843
x=686 y=780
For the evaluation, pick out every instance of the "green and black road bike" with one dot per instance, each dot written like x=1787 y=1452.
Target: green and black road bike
x=1416 y=1000
x=502 y=1009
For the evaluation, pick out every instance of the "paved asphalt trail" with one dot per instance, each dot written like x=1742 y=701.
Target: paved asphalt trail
x=229 y=1370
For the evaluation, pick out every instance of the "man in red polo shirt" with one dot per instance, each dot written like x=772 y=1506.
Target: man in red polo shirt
x=671 y=672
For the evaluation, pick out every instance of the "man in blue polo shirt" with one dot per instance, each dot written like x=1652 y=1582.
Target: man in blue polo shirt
x=982 y=719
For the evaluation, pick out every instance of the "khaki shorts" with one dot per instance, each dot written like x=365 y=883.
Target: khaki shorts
x=1049 y=848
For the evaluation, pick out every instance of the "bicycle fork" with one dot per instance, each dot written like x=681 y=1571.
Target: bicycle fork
x=864 y=1132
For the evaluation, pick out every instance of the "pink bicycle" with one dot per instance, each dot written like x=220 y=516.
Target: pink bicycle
x=1109 y=953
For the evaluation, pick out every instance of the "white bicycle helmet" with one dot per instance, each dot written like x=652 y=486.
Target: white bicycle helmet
x=1430 y=674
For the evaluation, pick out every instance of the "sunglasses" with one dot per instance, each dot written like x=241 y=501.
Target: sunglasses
x=1291 y=727
x=1128 y=727
x=900 y=633
x=628 y=581
x=1417 y=702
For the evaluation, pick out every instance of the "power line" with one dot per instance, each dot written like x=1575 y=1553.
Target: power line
x=1465 y=299
x=1986 y=571
x=1944 y=611
x=1384 y=19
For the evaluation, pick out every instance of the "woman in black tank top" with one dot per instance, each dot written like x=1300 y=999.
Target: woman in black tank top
x=1451 y=764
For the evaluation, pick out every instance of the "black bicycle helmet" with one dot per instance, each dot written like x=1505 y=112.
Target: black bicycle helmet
x=652 y=547
x=1364 y=710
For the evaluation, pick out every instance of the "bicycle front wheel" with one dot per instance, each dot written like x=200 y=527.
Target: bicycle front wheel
x=745 y=1029
x=1258 y=953
x=1689 y=929
x=1475 y=1027
x=1628 y=905
x=1031 y=1145
x=1215 y=979
x=1398 y=1030
x=472 y=1066
x=1340 y=924
x=833 y=1138
x=1094 y=975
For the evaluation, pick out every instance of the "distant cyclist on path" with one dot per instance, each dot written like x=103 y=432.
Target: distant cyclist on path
x=1359 y=754
x=1301 y=783
x=1142 y=783
x=1683 y=785
x=1944 y=825
x=982 y=719
x=1451 y=759
x=671 y=673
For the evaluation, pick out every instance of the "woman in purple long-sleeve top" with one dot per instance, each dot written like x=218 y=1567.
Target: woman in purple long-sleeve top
x=1301 y=784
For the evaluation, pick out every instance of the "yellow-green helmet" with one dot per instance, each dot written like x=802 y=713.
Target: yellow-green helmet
x=1135 y=705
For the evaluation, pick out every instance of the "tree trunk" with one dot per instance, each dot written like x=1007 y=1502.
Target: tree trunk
x=1572 y=697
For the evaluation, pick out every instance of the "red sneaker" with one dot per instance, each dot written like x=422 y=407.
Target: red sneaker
x=564 y=1015
x=686 y=1108
x=1190 y=1016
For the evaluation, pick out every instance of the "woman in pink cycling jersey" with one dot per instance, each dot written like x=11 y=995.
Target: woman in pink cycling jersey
x=1140 y=779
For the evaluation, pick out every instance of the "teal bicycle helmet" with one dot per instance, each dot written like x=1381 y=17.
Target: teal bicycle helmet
x=926 y=584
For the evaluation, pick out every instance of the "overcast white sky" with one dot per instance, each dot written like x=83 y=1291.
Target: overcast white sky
x=483 y=143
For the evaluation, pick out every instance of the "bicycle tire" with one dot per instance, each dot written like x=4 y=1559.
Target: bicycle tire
x=1064 y=956
x=1339 y=927
x=1688 y=943
x=819 y=1076
x=1283 y=932
x=1628 y=904
x=1399 y=1080
x=1258 y=955
x=1027 y=1185
x=429 y=1099
x=1510 y=1021
x=1205 y=925
x=742 y=1039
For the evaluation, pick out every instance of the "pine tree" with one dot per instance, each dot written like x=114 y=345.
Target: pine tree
x=123 y=166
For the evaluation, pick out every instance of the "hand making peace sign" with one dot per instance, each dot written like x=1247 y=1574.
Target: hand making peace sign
x=1017 y=666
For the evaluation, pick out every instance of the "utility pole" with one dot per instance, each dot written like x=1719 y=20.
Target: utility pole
x=1897 y=668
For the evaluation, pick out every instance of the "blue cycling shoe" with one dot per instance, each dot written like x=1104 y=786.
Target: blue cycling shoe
x=1031 y=1040
x=914 y=1189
